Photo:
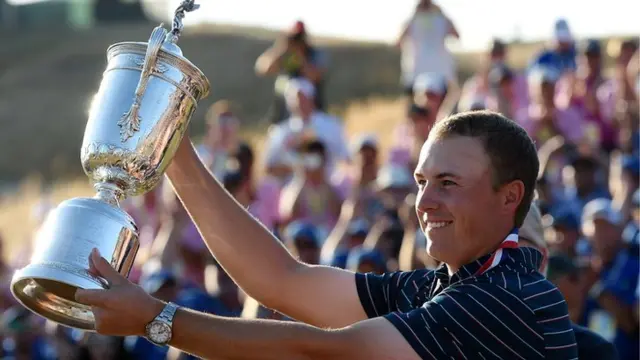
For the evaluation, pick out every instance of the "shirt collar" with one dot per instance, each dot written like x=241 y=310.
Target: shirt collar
x=528 y=257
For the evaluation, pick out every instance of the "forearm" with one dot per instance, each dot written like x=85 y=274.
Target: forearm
x=269 y=62
x=235 y=238
x=210 y=336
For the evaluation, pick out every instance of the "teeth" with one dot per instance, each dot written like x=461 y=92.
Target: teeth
x=436 y=225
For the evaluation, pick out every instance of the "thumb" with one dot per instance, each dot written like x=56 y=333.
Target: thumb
x=104 y=269
x=91 y=297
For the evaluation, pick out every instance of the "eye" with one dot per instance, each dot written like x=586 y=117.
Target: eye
x=447 y=183
x=421 y=182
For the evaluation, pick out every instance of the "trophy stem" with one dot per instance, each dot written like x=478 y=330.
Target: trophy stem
x=109 y=193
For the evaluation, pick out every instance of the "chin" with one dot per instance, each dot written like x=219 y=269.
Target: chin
x=434 y=251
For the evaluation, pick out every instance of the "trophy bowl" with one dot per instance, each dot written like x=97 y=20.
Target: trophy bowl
x=139 y=115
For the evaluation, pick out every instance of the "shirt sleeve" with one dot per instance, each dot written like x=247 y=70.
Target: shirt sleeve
x=379 y=293
x=471 y=321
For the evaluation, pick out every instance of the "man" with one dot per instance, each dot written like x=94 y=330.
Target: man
x=292 y=57
x=562 y=55
x=221 y=139
x=476 y=178
x=306 y=123
x=423 y=48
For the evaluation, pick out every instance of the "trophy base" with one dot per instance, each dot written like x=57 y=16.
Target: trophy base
x=60 y=262
x=49 y=291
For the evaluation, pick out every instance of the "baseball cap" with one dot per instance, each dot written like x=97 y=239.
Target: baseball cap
x=430 y=82
x=532 y=229
x=601 y=209
x=561 y=31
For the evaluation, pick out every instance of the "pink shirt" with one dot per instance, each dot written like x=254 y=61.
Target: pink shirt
x=267 y=204
x=402 y=145
x=475 y=88
x=568 y=121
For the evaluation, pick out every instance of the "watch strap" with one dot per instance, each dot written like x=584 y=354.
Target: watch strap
x=168 y=313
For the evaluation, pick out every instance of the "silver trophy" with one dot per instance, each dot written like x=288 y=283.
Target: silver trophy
x=147 y=96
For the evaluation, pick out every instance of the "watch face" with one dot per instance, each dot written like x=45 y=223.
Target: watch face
x=159 y=332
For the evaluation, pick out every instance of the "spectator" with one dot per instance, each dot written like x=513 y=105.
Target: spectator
x=561 y=57
x=542 y=118
x=611 y=279
x=422 y=43
x=310 y=196
x=306 y=123
x=293 y=57
x=563 y=232
x=221 y=139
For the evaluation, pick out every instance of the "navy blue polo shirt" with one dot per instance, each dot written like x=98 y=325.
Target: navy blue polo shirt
x=509 y=312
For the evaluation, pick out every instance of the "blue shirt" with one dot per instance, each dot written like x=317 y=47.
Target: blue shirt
x=619 y=279
x=509 y=312
x=561 y=62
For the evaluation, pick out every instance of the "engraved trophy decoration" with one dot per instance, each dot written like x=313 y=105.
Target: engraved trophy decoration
x=147 y=96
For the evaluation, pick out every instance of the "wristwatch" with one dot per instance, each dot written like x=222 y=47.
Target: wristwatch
x=159 y=330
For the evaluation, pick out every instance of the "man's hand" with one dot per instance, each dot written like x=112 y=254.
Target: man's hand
x=122 y=310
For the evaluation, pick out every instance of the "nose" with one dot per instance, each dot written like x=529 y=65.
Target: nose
x=426 y=200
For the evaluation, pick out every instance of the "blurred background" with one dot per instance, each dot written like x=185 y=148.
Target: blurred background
x=314 y=122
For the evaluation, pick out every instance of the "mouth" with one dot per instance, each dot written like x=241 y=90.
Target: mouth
x=434 y=225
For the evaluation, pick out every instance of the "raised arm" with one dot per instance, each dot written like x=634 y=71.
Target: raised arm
x=254 y=258
x=270 y=61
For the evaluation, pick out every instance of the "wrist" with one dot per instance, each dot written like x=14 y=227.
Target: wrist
x=184 y=156
x=154 y=308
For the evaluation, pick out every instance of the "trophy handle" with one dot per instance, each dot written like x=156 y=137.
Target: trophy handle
x=130 y=121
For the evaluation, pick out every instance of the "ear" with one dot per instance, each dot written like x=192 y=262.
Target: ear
x=512 y=196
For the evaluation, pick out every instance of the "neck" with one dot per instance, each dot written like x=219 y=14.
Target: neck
x=490 y=246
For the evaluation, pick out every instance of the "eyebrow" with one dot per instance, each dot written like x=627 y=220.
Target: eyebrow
x=441 y=175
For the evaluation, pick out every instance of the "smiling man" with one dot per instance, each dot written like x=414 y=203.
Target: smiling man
x=476 y=177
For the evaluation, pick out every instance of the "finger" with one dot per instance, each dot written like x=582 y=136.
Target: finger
x=92 y=297
x=104 y=269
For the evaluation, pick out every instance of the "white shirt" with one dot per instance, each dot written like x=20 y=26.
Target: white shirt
x=323 y=126
x=423 y=48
